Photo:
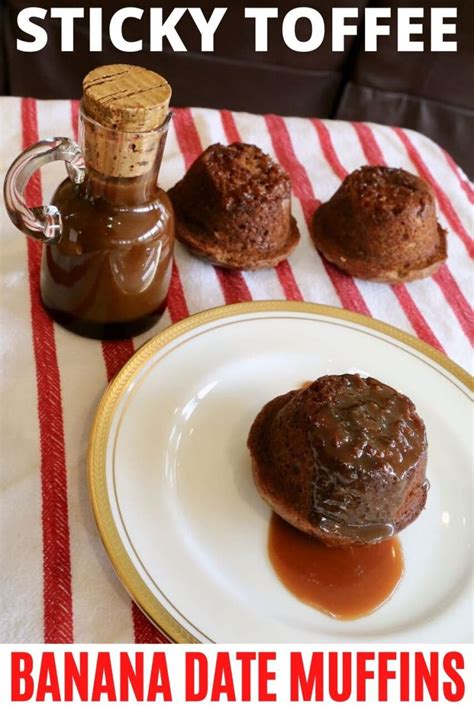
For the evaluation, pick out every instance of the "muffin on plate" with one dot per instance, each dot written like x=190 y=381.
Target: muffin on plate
x=381 y=225
x=233 y=208
x=343 y=460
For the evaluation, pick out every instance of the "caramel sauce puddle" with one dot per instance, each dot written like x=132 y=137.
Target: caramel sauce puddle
x=345 y=582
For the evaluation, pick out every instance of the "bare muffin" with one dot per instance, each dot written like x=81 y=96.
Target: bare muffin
x=343 y=460
x=233 y=208
x=381 y=226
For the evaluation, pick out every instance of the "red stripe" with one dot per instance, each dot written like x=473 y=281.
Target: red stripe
x=456 y=300
x=230 y=127
x=145 y=632
x=346 y=289
x=283 y=270
x=369 y=144
x=116 y=354
x=462 y=181
x=187 y=135
x=177 y=306
x=414 y=315
x=443 y=276
x=233 y=285
x=443 y=199
x=288 y=282
x=57 y=588
x=328 y=148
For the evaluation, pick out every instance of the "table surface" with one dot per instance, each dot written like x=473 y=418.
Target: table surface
x=57 y=584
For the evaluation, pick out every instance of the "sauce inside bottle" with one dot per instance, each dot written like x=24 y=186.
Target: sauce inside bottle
x=343 y=582
x=108 y=276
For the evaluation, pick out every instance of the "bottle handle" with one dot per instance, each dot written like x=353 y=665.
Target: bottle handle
x=42 y=223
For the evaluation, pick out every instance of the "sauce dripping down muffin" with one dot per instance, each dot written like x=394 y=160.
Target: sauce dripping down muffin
x=343 y=459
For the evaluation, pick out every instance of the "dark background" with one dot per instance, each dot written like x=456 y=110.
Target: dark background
x=431 y=92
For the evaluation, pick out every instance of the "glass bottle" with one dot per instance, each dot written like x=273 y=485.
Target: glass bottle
x=109 y=233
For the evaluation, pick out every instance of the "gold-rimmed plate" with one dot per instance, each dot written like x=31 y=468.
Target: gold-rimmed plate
x=173 y=496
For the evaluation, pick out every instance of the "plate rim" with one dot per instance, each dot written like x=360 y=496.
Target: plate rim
x=96 y=474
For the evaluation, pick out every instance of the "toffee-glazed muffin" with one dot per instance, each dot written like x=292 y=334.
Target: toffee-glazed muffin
x=381 y=225
x=233 y=208
x=343 y=459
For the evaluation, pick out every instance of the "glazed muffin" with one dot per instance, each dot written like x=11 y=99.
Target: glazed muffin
x=233 y=208
x=381 y=225
x=343 y=460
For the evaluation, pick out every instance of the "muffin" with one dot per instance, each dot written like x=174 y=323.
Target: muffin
x=343 y=460
x=381 y=226
x=233 y=208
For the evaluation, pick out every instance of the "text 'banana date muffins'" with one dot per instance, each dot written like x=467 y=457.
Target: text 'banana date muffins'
x=233 y=208
x=381 y=225
x=343 y=460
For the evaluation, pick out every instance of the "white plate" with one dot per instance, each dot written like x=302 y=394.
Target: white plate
x=173 y=495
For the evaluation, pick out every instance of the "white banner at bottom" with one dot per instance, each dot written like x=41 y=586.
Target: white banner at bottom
x=242 y=676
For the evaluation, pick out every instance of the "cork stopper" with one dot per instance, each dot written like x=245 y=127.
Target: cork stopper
x=126 y=97
x=132 y=102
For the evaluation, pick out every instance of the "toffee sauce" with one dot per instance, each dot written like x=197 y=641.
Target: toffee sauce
x=108 y=276
x=343 y=582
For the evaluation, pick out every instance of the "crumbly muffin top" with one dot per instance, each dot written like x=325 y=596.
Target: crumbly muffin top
x=389 y=190
x=243 y=172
